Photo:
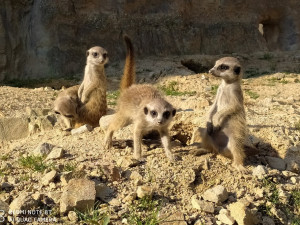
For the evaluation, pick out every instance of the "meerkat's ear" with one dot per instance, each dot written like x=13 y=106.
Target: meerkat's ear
x=237 y=70
x=173 y=112
x=87 y=53
x=146 y=110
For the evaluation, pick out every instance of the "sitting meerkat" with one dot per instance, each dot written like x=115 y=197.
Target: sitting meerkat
x=226 y=125
x=89 y=99
x=142 y=105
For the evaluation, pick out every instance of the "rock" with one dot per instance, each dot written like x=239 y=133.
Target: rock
x=55 y=196
x=4 y=206
x=203 y=205
x=136 y=177
x=43 y=149
x=176 y=218
x=241 y=214
x=130 y=198
x=276 y=163
x=23 y=201
x=295 y=180
x=143 y=191
x=216 y=194
x=73 y=216
x=56 y=153
x=113 y=172
x=293 y=166
x=280 y=215
x=196 y=137
x=105 y=121
x=82 y=129
x=225 y=218
x=46 y=122
x=79 y=194
x=66 y=177
x=260 y=171
x=127 y=161
x=267 y=221
x=103 y=192
x=49 y=177
x=13 y=128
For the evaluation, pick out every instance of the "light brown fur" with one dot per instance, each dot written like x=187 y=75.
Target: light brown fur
x=226 y=126
x=90 y=96
x=143 y=106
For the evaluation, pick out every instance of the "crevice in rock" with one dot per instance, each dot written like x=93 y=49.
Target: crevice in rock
x=195 y=66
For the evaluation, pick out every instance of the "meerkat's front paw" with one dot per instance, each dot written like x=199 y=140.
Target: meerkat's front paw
x=240 y=168
x=107 y=144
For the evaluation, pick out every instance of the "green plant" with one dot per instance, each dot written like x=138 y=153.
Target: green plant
x=144 y=212
x=5 y=157
x=296 y=198
x=297 y=80
x=283 y=81
x=252 y=94
x=93 y=216
x=112 y=97
x=172 y=90
x=69 y=167
x=24 y=177
x=214 y=89
x=267 y=56
x=34 y=163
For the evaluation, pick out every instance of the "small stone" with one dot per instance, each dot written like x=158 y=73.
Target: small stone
x=56 y=153
x=43 y=149
x=130 y=198
x=267 y=221
x=136 y=176
x=22 y=202
x=79 y=194
x=203 y=205
x=143 y=191
x=260 y=171
x=276 y=163
x=72 y=216
x=104 y=192
x=49 y=177
x=4 y=206
x=295 y=180
x=105 y=121
x=216 y=194
x=66 y=177
x=55 y=196
x=225 y=218
x=176 y=218
x=196 y=137
x=114 y=202
x=241 y=214
x=127 y=161
x=112 y=171
x=82 y=129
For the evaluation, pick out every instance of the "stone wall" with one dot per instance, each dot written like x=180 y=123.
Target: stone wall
x=42 y=38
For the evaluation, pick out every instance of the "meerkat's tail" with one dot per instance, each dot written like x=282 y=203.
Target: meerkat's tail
x=128 y=77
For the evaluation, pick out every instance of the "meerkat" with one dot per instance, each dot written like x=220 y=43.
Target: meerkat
x=92 y=91
x=66 y=104
x=85 y=104
x=226 y=126
x=143 y=106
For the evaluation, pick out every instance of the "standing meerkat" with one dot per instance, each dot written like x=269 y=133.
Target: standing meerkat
x=226 y=125
x=85 y=104
x=92 y=91
x=142 y=105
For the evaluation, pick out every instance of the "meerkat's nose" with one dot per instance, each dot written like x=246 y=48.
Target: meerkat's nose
x=210 y=71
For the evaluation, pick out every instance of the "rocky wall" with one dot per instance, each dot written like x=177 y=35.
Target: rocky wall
x=42 y=38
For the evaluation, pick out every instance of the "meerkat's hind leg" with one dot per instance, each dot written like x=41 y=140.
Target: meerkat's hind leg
x=118 y=121
x=165 y=140
x=236 y=148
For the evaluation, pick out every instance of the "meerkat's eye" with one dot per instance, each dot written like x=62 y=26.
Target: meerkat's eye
x=104 y=55
x=57 y=112
x=223 y=67
x=153 y=113
x=95 y=54
x=69 y=116
x=166 y=114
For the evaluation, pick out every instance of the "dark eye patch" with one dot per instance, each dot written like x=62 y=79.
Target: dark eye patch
x=95 y=54
x=166 y=114
x=153 y=113
x=223 y=67
x=104 y=55
x=69 y=116
x=57 y=112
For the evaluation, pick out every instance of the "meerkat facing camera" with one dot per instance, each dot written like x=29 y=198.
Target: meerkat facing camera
x=85 y=104
x=142 y=105
x=226 y=125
